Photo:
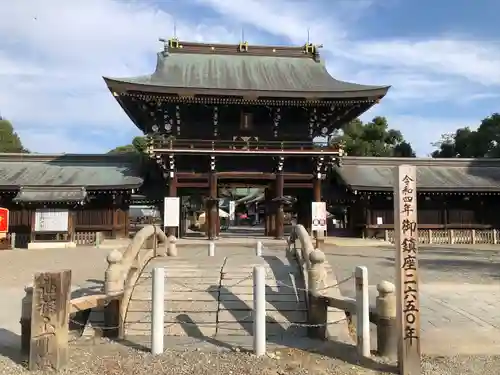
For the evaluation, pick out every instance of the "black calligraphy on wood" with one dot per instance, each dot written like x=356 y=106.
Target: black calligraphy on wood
x=49 y=320
x=407 y=268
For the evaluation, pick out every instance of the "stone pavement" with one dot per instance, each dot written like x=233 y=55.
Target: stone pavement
x=460 y=292
x=213 y=296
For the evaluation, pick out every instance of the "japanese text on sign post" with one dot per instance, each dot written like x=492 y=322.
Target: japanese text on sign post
x=406 y=240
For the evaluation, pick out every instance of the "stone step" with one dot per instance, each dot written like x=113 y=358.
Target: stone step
x=243 y=290
x=177 y=296
x=272 y=329
x=248 y=298
x=213 y=279
x=269 y=275
x=271 y=316
x=209 y=306
x=173 y=317
x=223 y=316
x=174 y=329
x=174 y=287
x=176 y=306
x=215 y=295
x=145 y=289
x=210 y=330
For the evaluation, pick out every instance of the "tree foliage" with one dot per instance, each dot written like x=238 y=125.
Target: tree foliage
x=373 y=138
x=138 y=145
x=467 y=143
x=9 y=139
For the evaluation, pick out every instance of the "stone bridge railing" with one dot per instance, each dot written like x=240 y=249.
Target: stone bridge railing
x=125 y=269
x=119 y=281
x=326 y=305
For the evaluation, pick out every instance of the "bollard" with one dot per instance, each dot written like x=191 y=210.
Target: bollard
x=172 y=247
x=158 y=307
x=259 y=310
x=113 y=280
x=387 y=344
x=258 y=249
x=13 y=240
x=211 y=249
x=317 y=308
x=362 y=311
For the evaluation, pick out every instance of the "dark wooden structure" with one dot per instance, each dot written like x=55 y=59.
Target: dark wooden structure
x=222 y=115
x=454 y=195
x=94 y=189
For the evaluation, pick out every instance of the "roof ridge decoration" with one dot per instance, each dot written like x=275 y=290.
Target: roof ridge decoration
x=174 y=45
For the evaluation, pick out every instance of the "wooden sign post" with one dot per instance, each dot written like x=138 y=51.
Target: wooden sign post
x=50 y=320
x=407 y=294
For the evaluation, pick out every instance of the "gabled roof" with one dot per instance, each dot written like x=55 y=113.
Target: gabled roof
x=219 y=69
x=69 y=170
x=370 y=173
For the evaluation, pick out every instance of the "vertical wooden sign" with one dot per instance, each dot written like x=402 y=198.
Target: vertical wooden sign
x=406 y=241
x=50 y=320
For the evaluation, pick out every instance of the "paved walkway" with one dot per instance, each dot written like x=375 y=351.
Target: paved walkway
x=460 y=292
x=213 y=296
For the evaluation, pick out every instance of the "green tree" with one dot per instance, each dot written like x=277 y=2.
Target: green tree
x=9 y=139
x=374 y=138
x=138 y=145
x=467 y=143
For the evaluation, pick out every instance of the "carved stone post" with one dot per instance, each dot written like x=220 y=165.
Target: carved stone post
x=280 y=214
x=50 y=321
x=317 y=304
x=212 y=212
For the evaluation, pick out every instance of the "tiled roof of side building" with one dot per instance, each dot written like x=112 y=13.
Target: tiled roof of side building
x=264 y=71
x=92 y=172
x=373 y=173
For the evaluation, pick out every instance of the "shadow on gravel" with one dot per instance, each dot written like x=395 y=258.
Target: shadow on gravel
x=10 y=346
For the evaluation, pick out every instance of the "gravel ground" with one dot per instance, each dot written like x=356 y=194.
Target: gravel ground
x=107 y=358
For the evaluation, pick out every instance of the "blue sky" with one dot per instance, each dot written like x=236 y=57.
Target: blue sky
x=442 y=58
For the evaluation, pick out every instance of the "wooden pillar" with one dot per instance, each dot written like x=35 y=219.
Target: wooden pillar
x=271 y=211
x=279 y=212
x=317 y=189
x=267 y=203
x=317 y=198
x=212 y=212
x=172 y=192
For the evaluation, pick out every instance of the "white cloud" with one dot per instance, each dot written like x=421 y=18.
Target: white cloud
x=53 y=54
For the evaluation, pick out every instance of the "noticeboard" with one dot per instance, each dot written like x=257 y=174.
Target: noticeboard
x=318 y=216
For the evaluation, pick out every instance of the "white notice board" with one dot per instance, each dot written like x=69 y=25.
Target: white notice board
x=51 y=220
x=318 y=216
x=171 y=212
x=232 y=210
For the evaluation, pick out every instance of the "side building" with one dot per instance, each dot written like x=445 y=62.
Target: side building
x=458 y=199
x=66 y=199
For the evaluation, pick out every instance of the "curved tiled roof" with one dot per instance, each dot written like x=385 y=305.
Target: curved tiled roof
x=286 y=72
x=67 y=170
x=365 y=173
